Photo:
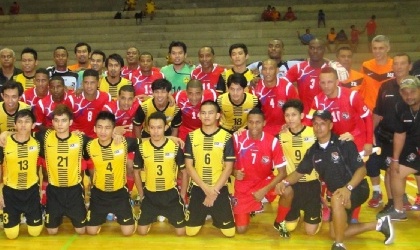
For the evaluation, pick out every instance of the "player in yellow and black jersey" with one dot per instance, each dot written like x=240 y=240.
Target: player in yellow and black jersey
x=161 y=159
x=11 y=93
x=20 y=178
x=109 y=193
x=209 y=158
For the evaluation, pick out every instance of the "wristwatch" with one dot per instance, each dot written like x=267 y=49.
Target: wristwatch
x=349 y=187
x=286 y=183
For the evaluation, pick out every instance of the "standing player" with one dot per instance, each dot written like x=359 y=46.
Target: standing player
x=82 y=51
x=60 y=69
x=257 y=154
x=179 y=72
x=160 y=102
x=344 y=57
x=189 y=102
x=113 y=81
x=143 y=78
x=7 y=66
x=236 y=104
x=132 y=58
x=207 y=72
x=161 y=159
x=63 y=151
x=29 y=60
x=109 y=194
x=304 y=195
x=97 y=63
x=19 y=174
x=209 y=161
x=11 y=93
x=273 y=92
x=32 y=95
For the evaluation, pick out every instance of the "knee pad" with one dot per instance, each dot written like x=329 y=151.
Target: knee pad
x=12 y=233
x=192 y=231
x=35 y=230
x=230 y=232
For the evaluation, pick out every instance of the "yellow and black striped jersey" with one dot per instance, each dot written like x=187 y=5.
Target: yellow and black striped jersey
x=27 y=82
x=7 y=121
x=112 y=89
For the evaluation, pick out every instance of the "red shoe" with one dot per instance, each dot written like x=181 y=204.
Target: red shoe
x=375 y=200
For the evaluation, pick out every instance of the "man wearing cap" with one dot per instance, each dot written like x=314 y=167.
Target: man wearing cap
x=339 y=164
x=406 y=144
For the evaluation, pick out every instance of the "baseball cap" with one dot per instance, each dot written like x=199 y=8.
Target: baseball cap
x=410 y=82
x=323 y=114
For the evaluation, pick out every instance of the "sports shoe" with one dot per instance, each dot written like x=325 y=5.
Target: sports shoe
x=326 y=213
x=394 y=215
x=384 y=226
x=406 y=203
x=375 y=200
x=338 y=246
x=281 y=227
x=416 y=205
x=388 y=207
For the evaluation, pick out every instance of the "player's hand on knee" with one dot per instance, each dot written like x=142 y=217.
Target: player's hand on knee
x=259 y=195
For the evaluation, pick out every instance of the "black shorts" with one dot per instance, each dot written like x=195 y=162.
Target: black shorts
x=116 y=202
x=166 y=203
x=221 y=211
x=19 y=202
x=307 y=197
x=410 y=157
x=378 y=162
x=65 y=201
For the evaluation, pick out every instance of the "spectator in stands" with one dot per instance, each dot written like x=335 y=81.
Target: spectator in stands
x=14 y=8
x=370 y=28
x=8 y=69
x=150 y=9
x=266 y=15
x=1 y=11
x=290 y=15
x=275 y=15
x=321 y=18
x=305 y=38
x=354 y=38
x=331 y=36
x=341 y=39
x=139 y=17
x=415 y=71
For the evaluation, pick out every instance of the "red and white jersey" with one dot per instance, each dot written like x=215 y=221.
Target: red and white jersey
x=257 y=158
x=190 y=120
x=126 y=72
x=350 y=114
x=209 y=80
x=123 y=117
x=85 y=111
x=272 y=101
x=29 y=97
x=45 y=107
x=143 y=84
x=307 y=80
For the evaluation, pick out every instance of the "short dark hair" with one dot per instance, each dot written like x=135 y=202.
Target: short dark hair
x=127 y=88
x=105 y=115
x=343 y=48
x=210 y=47
x=28 y=50
x=98 y=52
x=146 y=54
x=162 y=84
x=62 y=109
x=25 y=113
x=177 y=44
x=195 y=83
x=329 y=70
x=238 y=79
x=157 y=116
x=238 y=46
x=11 y=84
x=91 y=72
x=80 y=44
x=211 y=103
x=256 y=111
x=293 y=103
x=403 y=54
x=115 y=57
x=42 y=71
x=57 y=78
x=61 y=47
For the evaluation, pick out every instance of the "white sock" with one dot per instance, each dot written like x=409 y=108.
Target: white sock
x=377 y=188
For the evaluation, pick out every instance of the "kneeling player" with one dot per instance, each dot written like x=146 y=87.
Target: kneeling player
x=257 y=155
x=109 y=193
x=161 y=159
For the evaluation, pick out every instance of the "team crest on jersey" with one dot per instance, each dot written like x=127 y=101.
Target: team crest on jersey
x=32 y=148
x=411 y=157
x=218 y=144
x=308 y=139
x=388 y=161
x=345 y=115
x=359 y=158
x=280 y=104
x=335 y=157
x=118 y=152
x=265 y=160
x=74 y=145
x=169 y=155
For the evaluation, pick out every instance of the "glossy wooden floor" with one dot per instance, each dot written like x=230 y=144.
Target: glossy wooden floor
x=261 y=235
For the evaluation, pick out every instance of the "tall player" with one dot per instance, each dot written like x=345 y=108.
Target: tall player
x=113 y=81
x=60 y=69
x=82 y=51
x=32 y=95
x=162 y=159
x=209 y=159
x=273 y=92
x=132 y=57
x=257 y=154
x=236 y=104
x=19 y=174
x=109 y=194
x=189 y=102
x=207 y=72
x=344 y=56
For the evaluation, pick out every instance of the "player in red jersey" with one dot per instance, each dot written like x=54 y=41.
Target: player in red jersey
x=88 y=104
x=189 y=101
x=132 y=59
x=207 y=72
x=143 y=78
x=273 y=92
x=258 y=154
x=32 y=95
